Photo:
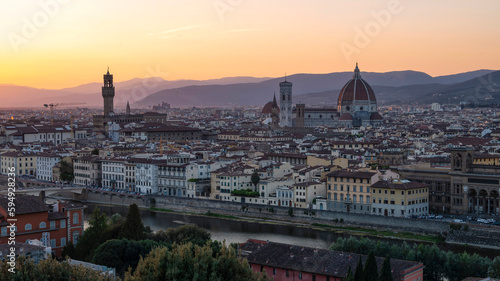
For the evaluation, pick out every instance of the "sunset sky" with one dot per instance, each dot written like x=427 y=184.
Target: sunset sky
x=71 y=42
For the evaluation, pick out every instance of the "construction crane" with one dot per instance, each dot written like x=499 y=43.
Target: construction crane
x=52 y=105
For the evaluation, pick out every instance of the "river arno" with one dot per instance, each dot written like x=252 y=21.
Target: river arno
x=239 y=231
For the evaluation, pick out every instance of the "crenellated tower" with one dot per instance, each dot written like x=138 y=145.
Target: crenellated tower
x=108 y=93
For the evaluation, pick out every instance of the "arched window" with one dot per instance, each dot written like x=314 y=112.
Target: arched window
x=75 y=218
x=43 y=225
x=28 y=227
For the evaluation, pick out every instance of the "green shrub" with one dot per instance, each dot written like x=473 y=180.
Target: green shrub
x=245 y=193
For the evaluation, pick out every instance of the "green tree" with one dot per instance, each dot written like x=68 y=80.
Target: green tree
x=95 y=151
x=182 y=235
x=120 y=254
x=371 y=269
x=290 y=212
x=359 y=274
x=350 y=276
x=66 y=171
x=494 y=269
x=255 y=178
x=50 y=269
x=69 y=250
x=439 y=264
x=133 y=228
x=116 y=219
x=92 y=237
x=192 y=262
x=386 y=271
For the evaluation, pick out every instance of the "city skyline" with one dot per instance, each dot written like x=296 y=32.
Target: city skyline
x=45 y=44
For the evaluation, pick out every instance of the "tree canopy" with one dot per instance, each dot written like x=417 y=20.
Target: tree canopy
x=122 y=253
x=371 y=269
x=358 y=273
x=182 y=235
x=50 y=270
x=92 y=237
x=438 y=263
x=386 y=271
x=255 y=178
x=192 y=262
x=133 y=228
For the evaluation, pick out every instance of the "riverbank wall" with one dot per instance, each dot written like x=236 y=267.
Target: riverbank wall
x=475 y=235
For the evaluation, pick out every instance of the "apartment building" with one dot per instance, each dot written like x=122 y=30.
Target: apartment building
x=400 y=198
x=45 y=163
x=349 y=191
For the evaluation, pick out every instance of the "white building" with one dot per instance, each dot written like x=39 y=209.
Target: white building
x=435 y=107
x=130 y=176
x=230 y=181
x=146 y=176
x=45 y=163
x=113 y=173
x=304 y=193
x=172 y=180
x=284 y=196
x=267 y=187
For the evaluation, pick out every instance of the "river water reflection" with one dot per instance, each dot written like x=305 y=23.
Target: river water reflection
x=239 y=231
x=230 y=230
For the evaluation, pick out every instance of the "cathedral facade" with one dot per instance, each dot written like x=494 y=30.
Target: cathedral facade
x=356 y=107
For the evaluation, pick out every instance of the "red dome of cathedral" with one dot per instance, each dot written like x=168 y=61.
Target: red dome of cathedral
x=356 y=89
x=268 y=108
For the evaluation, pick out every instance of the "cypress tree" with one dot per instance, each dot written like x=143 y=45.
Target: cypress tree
x=349 y=276
x=371 y=270
x=386 y=271
x=133 y=228
x=359 y=274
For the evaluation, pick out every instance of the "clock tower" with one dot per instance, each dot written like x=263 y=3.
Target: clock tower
x=108 y=93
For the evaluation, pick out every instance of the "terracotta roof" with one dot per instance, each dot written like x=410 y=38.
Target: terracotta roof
x=318 y=261
x=356 y=89
x=25 y=204
x=345 y=117
x=399 y=184
x=349 y=174
x=376 y=116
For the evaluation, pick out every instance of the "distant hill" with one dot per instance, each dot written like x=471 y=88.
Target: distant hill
x=461 y=77
x=385 y=94
x=130 y=90
x=484 y=89
x=321 y=89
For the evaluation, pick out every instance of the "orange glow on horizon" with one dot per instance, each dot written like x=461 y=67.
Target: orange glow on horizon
x=75 y=42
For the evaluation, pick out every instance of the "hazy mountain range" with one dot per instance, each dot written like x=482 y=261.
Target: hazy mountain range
x=320 y=89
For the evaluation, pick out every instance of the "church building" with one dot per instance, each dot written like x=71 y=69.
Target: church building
x=356 y=107
x=108 y=94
